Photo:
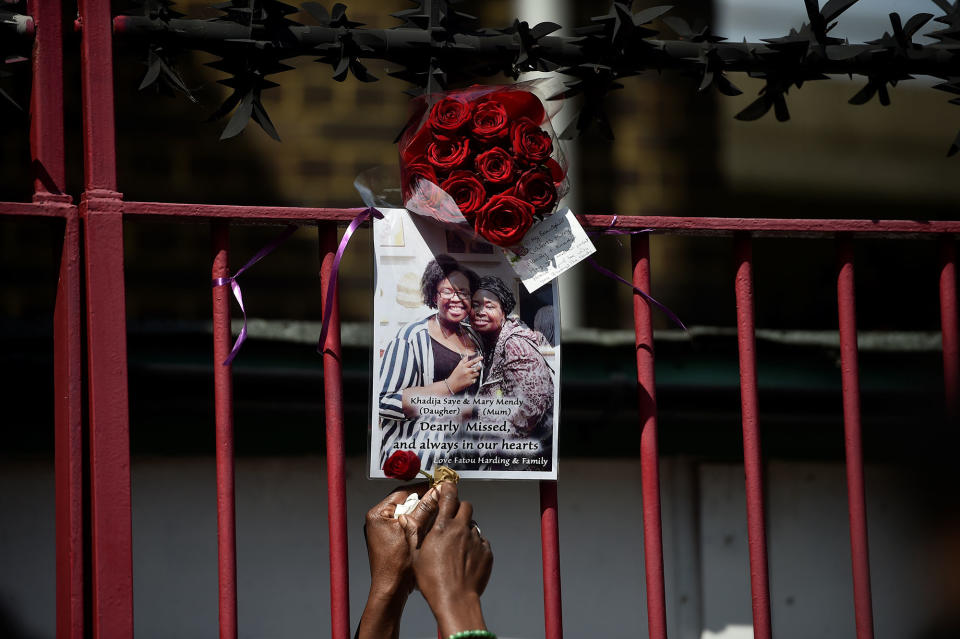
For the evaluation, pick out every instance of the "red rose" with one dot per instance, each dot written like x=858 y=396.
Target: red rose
x=536 y=187
x=414 y=172
x=466 y=190
x=495 y=166
x=448 y=115
x=447 y=155
x=519 y=104
x=504 y=220
x=489 y=121
x=530 y=143
x=403 y=465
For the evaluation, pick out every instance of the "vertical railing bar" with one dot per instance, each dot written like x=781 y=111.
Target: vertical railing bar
x=649 y=454
x=68 y=435
x=223 y=400
x=46 y=101
x=752 y=451
x=948 y=326
x=333 y=412
x=100 y=164
x=856 y=493
x=49 y=180
x=550 y=552
x=101 y=210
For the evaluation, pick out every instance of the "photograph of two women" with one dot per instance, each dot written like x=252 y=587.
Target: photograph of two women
x=465 y=360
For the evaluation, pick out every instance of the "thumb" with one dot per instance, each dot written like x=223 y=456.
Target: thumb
x=410 y=530
x=417 y=523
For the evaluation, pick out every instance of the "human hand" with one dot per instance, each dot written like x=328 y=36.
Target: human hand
x=386 y=537
x=391 y=573
x=465 y=374
x=451 y=563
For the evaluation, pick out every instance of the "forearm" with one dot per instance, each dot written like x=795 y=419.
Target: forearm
x=381 y=615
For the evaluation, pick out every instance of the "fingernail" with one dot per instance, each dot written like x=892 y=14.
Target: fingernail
x=403 y=520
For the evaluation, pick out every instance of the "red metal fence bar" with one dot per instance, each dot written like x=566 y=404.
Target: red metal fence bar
x=758 y=227
x=550 y=553
x=223 y=400
x=100 y=210
x=948 y=326
x=856 y=495
x=48 y=164
x=649 y=454
x=752 y=453
x=46 y=101
x=68 y=434
x=333 y=409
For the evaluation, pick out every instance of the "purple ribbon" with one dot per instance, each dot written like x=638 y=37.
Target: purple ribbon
x=332 y=286
x=235 y=286
x=608 y=273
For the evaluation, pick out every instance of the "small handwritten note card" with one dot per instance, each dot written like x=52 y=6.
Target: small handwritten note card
x=549 y=248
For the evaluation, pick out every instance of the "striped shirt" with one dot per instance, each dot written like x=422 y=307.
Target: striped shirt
x=408 y=363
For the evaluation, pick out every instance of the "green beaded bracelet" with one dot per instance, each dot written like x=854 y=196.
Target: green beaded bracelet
x=473 y=634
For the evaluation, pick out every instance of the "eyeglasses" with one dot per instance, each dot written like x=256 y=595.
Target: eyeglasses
x=449 y=294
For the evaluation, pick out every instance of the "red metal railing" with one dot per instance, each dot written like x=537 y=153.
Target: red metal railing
x=102 y=211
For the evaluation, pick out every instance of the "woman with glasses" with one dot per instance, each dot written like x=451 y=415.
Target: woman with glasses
x=437 y=357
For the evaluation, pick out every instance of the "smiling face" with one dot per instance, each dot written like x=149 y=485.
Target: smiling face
x=486 y=313
x=453 y=296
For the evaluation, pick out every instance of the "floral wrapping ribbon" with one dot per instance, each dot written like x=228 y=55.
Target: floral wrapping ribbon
x=361 y=217
x=610 y=230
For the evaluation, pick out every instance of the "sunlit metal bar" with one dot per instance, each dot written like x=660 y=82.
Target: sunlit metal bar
x=649 y=456
x=68 y=434
x=550 y=550
x=758 y=227
x=100 y=210
x=856 y=495
x=333 y=413
x=49 y=167
x=223 y=400
x=752 y=452
x=948 y=326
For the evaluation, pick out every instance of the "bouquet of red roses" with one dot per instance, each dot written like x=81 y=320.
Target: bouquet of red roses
x=484 y=157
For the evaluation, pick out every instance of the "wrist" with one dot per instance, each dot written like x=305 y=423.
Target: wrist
x=389 y=591
x=457 y=614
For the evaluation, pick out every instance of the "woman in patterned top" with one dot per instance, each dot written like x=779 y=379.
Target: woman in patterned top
x=438 y=356
x=515 y=368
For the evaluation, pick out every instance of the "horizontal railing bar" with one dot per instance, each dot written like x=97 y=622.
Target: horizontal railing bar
x=267 y=214
x=28 y=209
x=692 y=225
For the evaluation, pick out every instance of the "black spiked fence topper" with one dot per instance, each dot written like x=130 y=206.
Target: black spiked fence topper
x=436 y=46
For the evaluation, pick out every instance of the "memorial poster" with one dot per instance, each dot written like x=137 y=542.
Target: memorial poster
x=465 y=361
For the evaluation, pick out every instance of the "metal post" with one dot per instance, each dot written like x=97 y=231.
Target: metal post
x=223 y=399
x=948 y=326
x=856 y=494
x=333 y=410
x=68 y=434
x=48 y=156
x=649 y=456
x=101 y=212
x=550 y=552
x=752 y=452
